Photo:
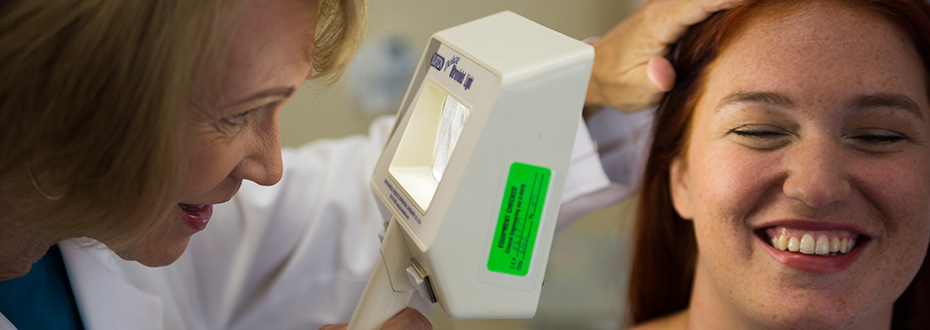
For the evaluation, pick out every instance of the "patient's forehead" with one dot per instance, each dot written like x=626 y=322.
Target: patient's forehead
x=821 y=51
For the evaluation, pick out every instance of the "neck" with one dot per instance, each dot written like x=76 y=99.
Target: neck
x=18 y=251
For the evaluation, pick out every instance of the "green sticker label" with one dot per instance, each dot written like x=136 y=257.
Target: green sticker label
x=518 y=221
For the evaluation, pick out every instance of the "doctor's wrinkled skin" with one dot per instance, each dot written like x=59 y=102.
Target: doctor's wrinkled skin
x=127 y=123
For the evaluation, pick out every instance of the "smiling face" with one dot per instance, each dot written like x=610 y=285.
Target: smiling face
x=812 y=123
x=234 y=136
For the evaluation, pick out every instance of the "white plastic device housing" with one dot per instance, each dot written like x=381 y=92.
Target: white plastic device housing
x=527 y=88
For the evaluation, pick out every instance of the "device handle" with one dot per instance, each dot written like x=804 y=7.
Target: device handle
x=379 y=302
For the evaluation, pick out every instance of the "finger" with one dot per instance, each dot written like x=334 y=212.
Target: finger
x=341 y=326
x=673 y=17
x=637 y=93
x=693 y=11
x=408 y=319
x=661 y=73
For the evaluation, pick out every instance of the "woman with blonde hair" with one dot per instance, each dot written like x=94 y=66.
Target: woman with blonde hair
x=122 y=124
x=788 y=182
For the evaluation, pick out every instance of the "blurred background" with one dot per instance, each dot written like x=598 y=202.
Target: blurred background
x=585 y=286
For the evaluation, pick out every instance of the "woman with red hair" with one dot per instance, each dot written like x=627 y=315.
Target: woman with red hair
x=788 y=184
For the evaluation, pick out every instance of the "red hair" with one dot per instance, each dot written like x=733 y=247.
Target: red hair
x=666 y=248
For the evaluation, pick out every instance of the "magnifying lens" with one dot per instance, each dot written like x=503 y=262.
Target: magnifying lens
x=473 y=172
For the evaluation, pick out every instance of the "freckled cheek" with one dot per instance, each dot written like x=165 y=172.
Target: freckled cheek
x=727 y=187
x=901 y=190
x=727 y=184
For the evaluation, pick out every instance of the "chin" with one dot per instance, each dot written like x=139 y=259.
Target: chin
x=14 y=272
x=163 y=246
x=824 y=314
x=155 y=252
x=818 y=321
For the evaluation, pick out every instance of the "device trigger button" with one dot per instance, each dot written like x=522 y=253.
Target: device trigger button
x=418 y=282
x=381 y=236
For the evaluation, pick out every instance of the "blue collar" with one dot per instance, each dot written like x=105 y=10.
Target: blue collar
x=42 y=299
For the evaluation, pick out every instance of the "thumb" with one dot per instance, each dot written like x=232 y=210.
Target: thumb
x=408 y=319
x=661 y=73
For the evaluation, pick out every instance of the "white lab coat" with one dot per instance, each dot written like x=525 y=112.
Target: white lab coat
x=292 y=256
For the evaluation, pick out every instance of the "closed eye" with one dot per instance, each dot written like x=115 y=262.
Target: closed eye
x=761 y=137
x=757 y=133
x=879 y=138
x=242 y=118
x=876 y=140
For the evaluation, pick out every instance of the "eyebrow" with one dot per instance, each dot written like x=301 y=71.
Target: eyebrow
x=886 y=101
x=282 y=91
x=861 y=102
x=768 y=98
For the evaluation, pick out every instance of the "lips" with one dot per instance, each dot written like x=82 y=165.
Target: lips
x=819 y=248
x=195 y=216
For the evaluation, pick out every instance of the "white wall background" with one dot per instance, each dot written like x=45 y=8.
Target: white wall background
x=316 y=113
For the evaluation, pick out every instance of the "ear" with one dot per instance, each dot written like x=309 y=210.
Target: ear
x=680 y=188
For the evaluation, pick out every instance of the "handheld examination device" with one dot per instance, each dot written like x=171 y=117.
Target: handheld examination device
x=473 y=172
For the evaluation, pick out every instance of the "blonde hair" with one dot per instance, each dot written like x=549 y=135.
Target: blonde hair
x=93 y=96
x=339 y=31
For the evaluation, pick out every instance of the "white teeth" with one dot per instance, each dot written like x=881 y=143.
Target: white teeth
x=793 y=244
x=823 y=245
x=782 y=242
x=807 y=244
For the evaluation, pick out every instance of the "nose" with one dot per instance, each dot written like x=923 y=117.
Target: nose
x=262 y=163
x=817 y=172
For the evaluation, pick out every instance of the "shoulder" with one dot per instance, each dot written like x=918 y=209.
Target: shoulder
x=675 y=321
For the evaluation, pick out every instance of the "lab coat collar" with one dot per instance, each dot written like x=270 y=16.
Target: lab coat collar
x=106 y=301
x=5 y=323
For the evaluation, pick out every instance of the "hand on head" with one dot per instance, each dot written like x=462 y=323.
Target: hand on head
x=630 y=69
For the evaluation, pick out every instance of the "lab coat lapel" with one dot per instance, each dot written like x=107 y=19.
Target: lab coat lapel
x=5 y=323
x=104 y=299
